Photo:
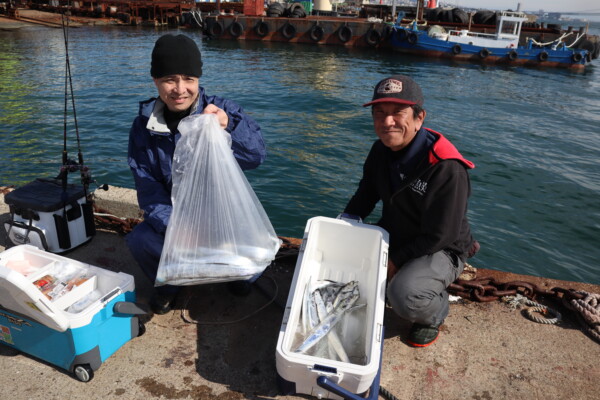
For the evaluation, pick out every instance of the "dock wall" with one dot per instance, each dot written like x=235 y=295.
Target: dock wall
x=239 y=21
x=349 y=32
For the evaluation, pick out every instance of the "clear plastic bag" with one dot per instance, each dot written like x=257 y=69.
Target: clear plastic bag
x=218 y=230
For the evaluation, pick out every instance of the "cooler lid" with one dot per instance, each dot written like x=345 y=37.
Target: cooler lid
x=18 y=295
x=44 y=195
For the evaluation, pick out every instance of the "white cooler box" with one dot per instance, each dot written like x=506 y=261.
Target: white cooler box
x=339 y=250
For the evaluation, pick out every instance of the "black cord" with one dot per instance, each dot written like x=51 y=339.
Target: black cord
x=386 y=394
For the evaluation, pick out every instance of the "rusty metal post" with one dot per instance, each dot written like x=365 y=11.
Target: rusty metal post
x=420 y=4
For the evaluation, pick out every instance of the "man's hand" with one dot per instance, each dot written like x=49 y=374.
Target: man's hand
x=391 y=270
x=221 y=115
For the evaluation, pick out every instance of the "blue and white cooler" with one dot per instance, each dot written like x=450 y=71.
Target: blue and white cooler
x=70 y=314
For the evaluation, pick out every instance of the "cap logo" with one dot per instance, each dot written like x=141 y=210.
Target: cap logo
x=390 y=86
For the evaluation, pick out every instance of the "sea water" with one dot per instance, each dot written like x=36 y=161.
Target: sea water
x=533 y=134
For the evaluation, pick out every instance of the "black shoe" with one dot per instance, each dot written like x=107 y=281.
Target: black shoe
x=162 y=303
x=423 y=335
x=239 y=288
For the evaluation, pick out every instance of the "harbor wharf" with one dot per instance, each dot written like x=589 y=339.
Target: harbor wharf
x=214 y=345
x=369 y=28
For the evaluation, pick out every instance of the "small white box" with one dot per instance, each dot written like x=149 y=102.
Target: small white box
x=339 y=250
x=71 y=282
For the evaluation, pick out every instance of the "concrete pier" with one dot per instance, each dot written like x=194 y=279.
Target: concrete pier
x=216 y=345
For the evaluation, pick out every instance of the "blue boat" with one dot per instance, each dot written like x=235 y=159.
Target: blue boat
x=501 y=47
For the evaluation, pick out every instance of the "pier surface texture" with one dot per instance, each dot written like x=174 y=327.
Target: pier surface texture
x=215 y=345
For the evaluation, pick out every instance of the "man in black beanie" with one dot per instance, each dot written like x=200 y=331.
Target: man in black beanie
x=176 y=68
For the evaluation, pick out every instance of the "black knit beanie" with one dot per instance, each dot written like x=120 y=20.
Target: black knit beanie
x=174 y=55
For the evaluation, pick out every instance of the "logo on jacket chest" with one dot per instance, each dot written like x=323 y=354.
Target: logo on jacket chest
x=419 y=187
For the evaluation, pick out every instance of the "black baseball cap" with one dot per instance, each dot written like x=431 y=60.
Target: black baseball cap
x=397 y=89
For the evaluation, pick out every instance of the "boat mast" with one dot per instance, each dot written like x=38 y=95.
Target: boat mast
x=420 y=4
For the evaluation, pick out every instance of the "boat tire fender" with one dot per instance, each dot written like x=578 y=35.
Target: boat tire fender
x=215 y=29
x=512 y=55
x=288 y=31
x=316 y=33
x=412 y=38
x=484 y=53
x=577 y=57
x=275 y=10
x=401 y=35
x=456 y=49
x=372 y=37
x=344 y=33
x=296 y=10
x=543 y=56
x=236 y=29
x=261 y=29
x=386 y=32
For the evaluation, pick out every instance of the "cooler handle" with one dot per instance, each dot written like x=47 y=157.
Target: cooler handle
x=326 y=383
x=129 y=308
x=349 y=217
x=112 y=294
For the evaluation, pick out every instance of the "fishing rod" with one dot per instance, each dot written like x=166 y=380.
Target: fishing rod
x=46 y=214
x=69 y=165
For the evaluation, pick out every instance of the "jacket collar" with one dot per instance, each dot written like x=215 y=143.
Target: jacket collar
x=154 y=111
x=442 y=149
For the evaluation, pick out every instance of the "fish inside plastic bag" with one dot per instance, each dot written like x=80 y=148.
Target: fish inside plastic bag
x=218 y=230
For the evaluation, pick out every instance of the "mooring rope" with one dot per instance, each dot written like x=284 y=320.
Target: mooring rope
x=588 y=310
x=530 y=312
x=558 y=40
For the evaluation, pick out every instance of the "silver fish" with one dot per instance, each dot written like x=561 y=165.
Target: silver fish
x=346 y=298
x=310 y=318
x=321 y=349
x=329 y=294
x=335 y=344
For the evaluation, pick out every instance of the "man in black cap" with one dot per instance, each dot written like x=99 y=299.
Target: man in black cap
x=176 y=68
x=423 y=184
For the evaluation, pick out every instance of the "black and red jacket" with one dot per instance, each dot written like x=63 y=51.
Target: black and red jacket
x=428 y=211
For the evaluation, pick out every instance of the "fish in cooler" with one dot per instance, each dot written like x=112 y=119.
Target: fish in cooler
x=327 y=302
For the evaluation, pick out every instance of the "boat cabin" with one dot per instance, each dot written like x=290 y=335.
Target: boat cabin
x=509 y=25
x=508 y=30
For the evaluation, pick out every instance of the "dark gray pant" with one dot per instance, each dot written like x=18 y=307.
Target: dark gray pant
x=418 y=292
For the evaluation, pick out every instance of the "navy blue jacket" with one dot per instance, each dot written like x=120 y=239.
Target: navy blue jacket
x=151 y=148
